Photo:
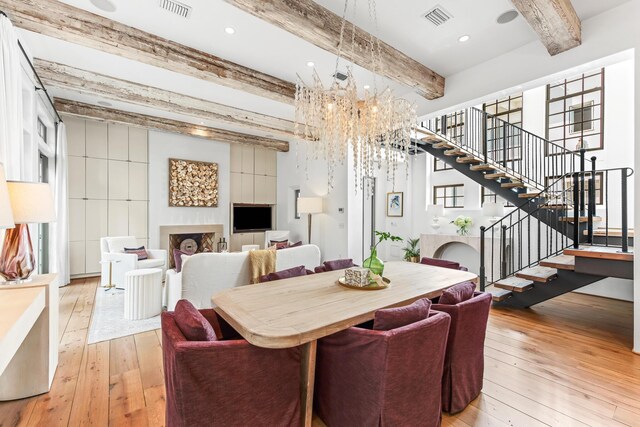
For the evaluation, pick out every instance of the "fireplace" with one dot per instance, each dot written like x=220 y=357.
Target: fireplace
x=189 y=238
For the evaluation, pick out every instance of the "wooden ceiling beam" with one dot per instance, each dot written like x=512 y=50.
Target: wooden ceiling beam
x=160 y=123
x=555 y=21
x=62 y=21
x=321 y=27
x=87 y=82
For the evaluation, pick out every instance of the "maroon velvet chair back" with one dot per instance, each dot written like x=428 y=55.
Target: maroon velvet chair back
x=464 y=363
x=437 y=262
x=228 y=382
x=285 y=274
x=336 y=264
x=382 y=378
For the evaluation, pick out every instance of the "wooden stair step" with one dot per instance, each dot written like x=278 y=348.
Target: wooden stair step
x=613 y=232
x=499 y=294
x=443 y=144
x=514 y=284
x=431 y=139
x=495 y=175
x=538 y=274
x=482 y=167
x=581 y=219
x=556 y=206
x=601 y=252
x=513 y=184
x=467 y=160
x=454 y=152
x=561 y=262
x=530 y=195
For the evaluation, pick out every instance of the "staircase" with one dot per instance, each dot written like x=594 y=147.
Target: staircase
x=547 y=245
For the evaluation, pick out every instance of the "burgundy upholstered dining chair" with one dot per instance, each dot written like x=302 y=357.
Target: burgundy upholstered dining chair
x=437 y=262
x=222 y=380
x=336 y=264
x=382 y=377
x=285 y=274
x=464 y=362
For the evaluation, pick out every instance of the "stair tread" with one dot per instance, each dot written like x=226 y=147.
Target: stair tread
x=467 y=160
x=602 y=252
x=516 y=184
x=613 y=232
x=454 y=152
x=495 y=175
x=538 y=273
x=561 y=262
x=570 y=218
x=555 y=206
x=498 y=294
x=515 y=284
x=530 y=195
x=443 y=144
x=431 y=139
x=482 y=167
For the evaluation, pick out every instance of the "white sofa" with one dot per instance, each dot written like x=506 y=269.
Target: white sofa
x=204 y=274
x=112 y=249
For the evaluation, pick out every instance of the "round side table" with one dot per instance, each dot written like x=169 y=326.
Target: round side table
x=142 y=293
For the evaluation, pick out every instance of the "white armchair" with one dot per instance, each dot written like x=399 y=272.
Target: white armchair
x=112 y=249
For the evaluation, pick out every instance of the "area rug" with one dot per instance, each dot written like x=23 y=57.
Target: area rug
x=108 y=320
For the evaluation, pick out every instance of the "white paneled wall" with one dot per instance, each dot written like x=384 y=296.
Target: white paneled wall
x=108 y=188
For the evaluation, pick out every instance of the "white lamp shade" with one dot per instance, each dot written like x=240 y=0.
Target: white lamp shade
x=493 y=209
x=436 y=210
x=31 y=202
x=310 y=205
x=6 y=213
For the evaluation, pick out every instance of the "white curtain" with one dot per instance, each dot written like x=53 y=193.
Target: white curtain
x=59 y=247
x=10 y=100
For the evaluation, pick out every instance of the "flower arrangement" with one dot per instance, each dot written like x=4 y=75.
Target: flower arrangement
x=463 y=223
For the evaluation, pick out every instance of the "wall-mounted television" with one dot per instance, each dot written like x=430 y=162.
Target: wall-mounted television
x=252 y=218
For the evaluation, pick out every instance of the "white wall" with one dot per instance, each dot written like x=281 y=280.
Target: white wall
x=162 y=147
x=330 y=228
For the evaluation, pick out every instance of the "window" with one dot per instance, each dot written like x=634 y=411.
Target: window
x=568 y=187
x=439 y=165
x=575 y=112
x=296 y=196
x=453 y=126
x=451 y=196
x=487 y=195
x=42 y=130
x=43 y=229
x=507 y=110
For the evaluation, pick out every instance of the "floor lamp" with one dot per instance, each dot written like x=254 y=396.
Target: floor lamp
x=310 y=206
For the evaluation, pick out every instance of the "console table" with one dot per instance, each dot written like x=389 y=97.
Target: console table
x=28 y=337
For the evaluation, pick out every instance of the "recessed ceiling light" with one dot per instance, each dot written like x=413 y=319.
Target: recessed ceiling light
x=105 y=5
x=507 y=16
x=229 y=30
x=201 y=123
x=366 y=87
x=310 y=64
x=105 y=103
x=464 y=38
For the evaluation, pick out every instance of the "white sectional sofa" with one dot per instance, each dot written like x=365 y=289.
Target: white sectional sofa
x=204 y=274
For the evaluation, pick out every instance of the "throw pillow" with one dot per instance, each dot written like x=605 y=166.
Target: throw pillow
x=457 y=293
x=192 y=323
x=440 y=263
x=289 y=272
x=178 y=258
x=141 y=252
x=279 y=244
x=392 y=318
x=338 y=264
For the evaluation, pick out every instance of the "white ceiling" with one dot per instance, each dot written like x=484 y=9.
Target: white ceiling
x=264 y=47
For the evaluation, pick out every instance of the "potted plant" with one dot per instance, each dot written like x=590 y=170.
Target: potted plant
x=463 y=223
x=373 y=263
x=412 y=250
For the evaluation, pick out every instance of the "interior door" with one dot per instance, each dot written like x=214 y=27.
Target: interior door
x=368 y=216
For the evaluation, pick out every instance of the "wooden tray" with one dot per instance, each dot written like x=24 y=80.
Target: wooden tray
x=372 y=287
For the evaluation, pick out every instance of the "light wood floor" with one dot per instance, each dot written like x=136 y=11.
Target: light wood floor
x=563 y=363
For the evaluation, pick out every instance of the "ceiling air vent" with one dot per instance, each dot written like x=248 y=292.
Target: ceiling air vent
x=438 y=16
x=340 y=76
x=178 y=8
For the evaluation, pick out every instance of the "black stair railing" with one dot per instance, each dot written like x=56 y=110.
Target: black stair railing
x=521 y=240
x=511 y=149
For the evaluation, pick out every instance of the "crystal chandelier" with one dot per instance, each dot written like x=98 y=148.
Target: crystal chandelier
x=377 y=127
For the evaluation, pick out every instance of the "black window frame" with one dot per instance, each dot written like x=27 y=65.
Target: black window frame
x=457 y=194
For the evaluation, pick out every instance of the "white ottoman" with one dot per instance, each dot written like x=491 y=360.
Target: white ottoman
x=142 y=293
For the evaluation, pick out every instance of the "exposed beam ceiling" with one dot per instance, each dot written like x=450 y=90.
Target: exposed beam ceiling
x=66 y=77
x=318 y=25
x=160 y=123
x=56 y=19
x=555 y=22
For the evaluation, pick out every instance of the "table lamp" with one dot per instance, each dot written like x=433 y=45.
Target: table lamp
x=6 y=214
x=309 y=205
x=31 y=202
x=493 y=210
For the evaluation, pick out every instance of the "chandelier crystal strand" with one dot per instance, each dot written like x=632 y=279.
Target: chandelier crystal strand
x=335 y=121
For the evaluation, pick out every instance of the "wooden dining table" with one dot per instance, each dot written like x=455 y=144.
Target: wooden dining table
x=300 y=310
